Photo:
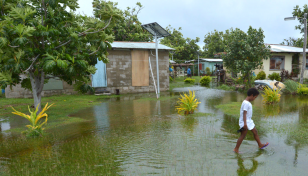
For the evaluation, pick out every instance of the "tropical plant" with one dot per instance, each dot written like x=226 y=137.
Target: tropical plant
x=274 y=76
x=302 y=89
x=208 y=71
x=35 y=129
x=42 y=40
x=261 y=75
x=245 y=51
x=290 y=86
x=271 y=96
x=170 y=79
x=205 y=80
x=189 y=81
x=187 y=103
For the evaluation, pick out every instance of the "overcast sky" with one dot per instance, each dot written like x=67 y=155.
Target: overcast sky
x=198 y=17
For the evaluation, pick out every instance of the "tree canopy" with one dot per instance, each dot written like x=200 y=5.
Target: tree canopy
x=215 y=42
x=41 y=40
x=245 y=51
x=129 y=27
x=298 y=12
x=185 y=48
x=297 y=42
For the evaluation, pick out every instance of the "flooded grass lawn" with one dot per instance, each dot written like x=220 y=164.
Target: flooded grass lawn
x=138 y=135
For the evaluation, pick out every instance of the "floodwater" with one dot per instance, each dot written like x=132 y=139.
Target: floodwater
x=138 y=135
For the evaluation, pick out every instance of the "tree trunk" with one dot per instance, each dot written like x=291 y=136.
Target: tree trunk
x=37 y=84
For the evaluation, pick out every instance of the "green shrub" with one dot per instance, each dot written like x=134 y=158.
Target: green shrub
x=208 y=71
x=274 y=76
x=205 y=80
x=189 y=81
x=271 y=96
x=291 y=86
x=302 y=90
x=170 y=79
x=261 y=75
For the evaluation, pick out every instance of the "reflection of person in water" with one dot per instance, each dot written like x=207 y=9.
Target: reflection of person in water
x=241 y=168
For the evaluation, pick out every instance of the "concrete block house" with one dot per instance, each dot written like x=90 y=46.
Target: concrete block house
x=284 y=57
x=128 y=71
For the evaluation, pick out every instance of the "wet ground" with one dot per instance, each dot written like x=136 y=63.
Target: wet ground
x=138 y=135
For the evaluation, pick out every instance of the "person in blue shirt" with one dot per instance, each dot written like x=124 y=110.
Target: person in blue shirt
x=188 y=72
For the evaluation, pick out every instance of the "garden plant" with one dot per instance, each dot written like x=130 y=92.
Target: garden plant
x=261 y=75
x=302 y=90
x=291 y=87
x=189 y=81
x=35 y=128
x=274 y=76
x=187 y=103
x=205 y=80
x=271 y=96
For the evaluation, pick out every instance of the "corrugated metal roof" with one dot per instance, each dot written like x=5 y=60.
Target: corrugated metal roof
x=285 y=49
x=138 y=45
x=207 y=60
x=213 y=60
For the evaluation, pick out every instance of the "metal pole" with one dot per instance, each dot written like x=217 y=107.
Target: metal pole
x=157 y=67
x=198 y=66
x=153 y=77
x=172 y=57
x=304 y=50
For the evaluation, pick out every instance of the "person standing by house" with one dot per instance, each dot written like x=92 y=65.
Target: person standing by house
x=188 y=72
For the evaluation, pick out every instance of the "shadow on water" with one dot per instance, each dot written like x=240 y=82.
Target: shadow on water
x=140 y=135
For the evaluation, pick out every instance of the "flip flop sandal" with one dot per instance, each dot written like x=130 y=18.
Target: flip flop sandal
x=264 y=146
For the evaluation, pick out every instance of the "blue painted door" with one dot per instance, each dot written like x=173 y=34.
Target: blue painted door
x=99 y=79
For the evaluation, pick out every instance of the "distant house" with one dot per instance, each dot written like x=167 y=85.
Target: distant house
x=283 y=57
x=206 y=62
x=128 y=71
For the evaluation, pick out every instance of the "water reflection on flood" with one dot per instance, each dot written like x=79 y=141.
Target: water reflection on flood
x=139 y=135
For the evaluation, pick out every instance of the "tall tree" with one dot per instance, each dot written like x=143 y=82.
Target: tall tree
x=298 y=12
x=215 y=42
x=41 y=40
x=297 y=42
x=129 y=27
x=185 y=48
x=245 y=51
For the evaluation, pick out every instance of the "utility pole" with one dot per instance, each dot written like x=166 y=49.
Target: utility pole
x=304 y=50
x=198 y=66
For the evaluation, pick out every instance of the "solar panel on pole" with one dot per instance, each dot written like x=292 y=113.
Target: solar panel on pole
x=157 y=31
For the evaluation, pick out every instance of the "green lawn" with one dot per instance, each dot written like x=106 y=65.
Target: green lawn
x=179 y=82
x=58 y=113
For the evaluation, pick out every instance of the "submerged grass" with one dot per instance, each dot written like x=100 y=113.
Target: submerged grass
x=58 y=115
x=178 y=82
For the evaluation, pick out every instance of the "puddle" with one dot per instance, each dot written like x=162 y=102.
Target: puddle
x=138 y=135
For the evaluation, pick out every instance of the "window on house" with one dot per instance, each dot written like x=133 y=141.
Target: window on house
x=307 y=63
x=277 y=63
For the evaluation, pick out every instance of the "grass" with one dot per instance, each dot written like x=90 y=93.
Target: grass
x=226 y=87
x=233 y=109
x=178 y=82
x=57 y=114
x=199 y=114
x=291 y=87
